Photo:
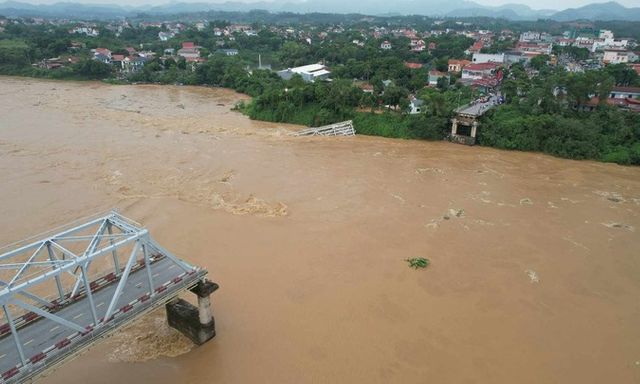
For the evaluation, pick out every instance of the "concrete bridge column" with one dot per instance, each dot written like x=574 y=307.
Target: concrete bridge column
x=198 y=323
x=454 y=127
x=474 y=128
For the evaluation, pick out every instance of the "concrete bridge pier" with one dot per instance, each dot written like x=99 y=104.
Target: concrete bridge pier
x=197 y=323
x=474 y=129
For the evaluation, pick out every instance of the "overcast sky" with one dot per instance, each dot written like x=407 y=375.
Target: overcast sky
x=535 y=4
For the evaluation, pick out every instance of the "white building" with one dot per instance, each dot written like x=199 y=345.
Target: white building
x=229 y=52
x=488 y=58
x=625 y=92
x=617 y=57
x=605 y=34
x=603 y=44
x=415 y=106
x=530 y=36
x=164 y=36
x=88 y=31
x=385 y=45
x=309 y=73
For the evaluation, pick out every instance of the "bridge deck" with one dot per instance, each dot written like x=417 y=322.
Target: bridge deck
x=50 y=342
x=478 y=109
x=40 y=333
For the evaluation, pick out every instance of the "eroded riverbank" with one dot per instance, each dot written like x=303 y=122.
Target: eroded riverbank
x=535 y=280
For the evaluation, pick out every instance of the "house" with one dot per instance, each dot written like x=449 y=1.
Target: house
x=102 y=55
x=635 y=67
x=116 y=60
x=413 y=65
x=102 y=58
x=618 y=57
x=189 y=51
x=133 y=64
x=309 y=73
x=432 y=46
x=415 y=106
x=228 y=52
x=456 y=66
x=516 y=57
x=88 y=31
x=477 y=71
x=434 y=76
x=486 y=85
x=366 y=87
x=76 y=45
x=52 y=63
x=475 y=48
x=488 y=58
x=584 y=42
x=385 y=45
x=164 y=36
x=628 y=104
x=530 y=36
x=563 y=42
x=533 y=49
x=417 y=45
x=625 y=93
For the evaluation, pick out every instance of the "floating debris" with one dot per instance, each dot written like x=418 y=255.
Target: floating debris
x=619 y=225
x=526 y=201
x=614 y=197
x=533 y=276
x=453 y=213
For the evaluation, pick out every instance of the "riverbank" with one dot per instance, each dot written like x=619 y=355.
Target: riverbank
x=308 y=236
x=604 y=134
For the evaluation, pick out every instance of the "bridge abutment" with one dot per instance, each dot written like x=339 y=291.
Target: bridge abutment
x=197 y=323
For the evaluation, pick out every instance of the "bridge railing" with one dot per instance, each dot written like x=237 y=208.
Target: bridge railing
x=40 y=277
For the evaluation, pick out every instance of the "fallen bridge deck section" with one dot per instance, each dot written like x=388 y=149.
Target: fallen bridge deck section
x=344 y=128
x=62 y=293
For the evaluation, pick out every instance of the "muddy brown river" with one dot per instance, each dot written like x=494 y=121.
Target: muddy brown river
x=535 y=261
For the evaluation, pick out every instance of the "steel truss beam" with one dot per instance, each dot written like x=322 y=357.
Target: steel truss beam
x=48 y=259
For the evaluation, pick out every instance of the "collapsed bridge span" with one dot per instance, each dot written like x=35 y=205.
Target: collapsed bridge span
x=62 y=293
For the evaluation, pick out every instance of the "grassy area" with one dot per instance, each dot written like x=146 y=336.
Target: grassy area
x=13 y=44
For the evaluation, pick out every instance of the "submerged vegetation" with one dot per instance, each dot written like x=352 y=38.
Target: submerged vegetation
x=418 y=262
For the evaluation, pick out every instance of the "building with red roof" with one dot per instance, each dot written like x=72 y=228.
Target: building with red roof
x=413 y=65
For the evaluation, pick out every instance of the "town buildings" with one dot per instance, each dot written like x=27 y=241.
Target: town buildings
x=309 y=73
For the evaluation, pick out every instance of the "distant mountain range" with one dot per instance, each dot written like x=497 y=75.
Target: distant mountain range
x=437 y=8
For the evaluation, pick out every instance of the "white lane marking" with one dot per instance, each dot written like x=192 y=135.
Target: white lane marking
x=138 y=285
x=156 y=275
x=78 y=315
x=3 y=355
x=100 y=305
x=28 y=342
x=54 y=328
x=171 y=266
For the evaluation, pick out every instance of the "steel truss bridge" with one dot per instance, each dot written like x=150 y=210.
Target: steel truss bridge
x=62 y=293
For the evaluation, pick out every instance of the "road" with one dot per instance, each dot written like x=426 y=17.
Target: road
x=44 y=333
x=478 y=109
